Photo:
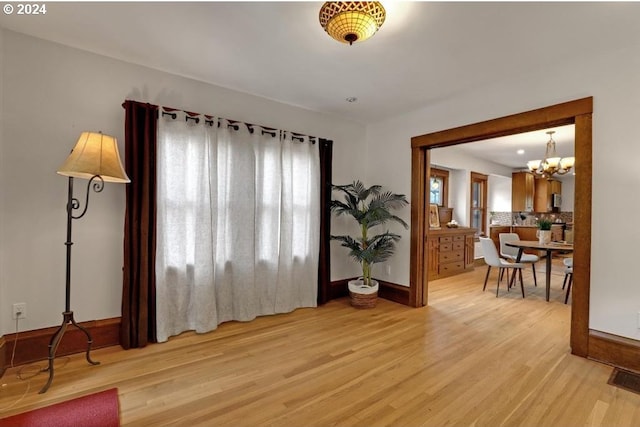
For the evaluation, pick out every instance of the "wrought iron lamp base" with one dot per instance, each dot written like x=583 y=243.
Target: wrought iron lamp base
x=55 y=341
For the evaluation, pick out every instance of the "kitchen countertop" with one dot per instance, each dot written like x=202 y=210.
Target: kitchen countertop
x=524 y=226
x=511 y=225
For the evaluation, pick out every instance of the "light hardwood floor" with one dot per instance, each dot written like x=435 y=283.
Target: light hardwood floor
x=468 y=359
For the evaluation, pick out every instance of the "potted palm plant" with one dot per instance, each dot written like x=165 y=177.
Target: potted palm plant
x=544 y=231
x=369 y=207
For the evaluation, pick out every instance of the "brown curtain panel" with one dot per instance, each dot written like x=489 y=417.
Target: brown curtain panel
x=324 y=263
x=138 y=324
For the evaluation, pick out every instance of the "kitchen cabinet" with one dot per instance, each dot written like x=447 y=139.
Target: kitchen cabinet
x=544 y=188
x=524 y=232
x=450 y=251
x=522 y=191
x=494 y=233
x=528 y=233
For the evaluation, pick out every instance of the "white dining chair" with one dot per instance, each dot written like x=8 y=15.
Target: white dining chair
x=511 y=253
x=492 y=259
x=568 y=276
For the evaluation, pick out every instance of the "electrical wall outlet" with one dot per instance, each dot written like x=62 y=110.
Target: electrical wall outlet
x=20 y=310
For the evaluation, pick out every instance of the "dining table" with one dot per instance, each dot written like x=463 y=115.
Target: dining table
x=549 y=248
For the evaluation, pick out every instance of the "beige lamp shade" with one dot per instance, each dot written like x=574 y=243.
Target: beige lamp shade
x=553 y=162
x=567 y=163
x=95 y=154
x=533 y=164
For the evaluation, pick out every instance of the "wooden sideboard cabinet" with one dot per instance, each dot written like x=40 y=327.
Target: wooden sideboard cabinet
x=450 y=251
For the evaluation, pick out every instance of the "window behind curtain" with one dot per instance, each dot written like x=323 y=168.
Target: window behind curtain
x=238 y=224
x=439 y=187
x=478 y=206
x=295 y=163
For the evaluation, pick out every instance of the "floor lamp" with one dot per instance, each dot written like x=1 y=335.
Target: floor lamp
x=95 y=157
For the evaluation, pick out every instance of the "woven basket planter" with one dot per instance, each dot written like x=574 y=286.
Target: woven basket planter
x=363 y=300
x=363 y=296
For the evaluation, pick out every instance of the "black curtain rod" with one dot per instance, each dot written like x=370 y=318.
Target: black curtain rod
x=233 y=124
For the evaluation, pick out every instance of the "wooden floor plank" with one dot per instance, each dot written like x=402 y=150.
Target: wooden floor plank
x=468 y=359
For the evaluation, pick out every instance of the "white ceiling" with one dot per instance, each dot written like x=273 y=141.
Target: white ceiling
x=504 y=150
x=424 y=52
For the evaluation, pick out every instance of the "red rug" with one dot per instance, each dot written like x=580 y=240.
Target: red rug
x=95 y=410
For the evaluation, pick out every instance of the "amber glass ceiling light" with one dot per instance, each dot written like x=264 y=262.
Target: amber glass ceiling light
x=551 y=164
x=351 y=21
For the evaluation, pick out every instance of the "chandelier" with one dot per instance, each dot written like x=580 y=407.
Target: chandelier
x=552 y=164
x=351 y=21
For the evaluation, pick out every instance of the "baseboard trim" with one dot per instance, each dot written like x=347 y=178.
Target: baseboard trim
x=3 y=356
x=394 y=292
x=614 y=350
x=387 y=290
x=479 y=262
x=32 y=346
x=339 y=289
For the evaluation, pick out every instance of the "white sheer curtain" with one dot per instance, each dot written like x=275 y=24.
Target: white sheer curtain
x=238 y=224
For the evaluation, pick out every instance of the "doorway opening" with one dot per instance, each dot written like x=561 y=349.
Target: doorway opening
x=579 y=113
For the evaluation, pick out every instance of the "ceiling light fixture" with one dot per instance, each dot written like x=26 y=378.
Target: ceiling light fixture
x=351 y=21
x=552 y=164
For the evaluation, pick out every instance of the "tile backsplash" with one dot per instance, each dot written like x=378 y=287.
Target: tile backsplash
x=510 y=218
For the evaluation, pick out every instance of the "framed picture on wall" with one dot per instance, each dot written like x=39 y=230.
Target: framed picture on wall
x=434 y=219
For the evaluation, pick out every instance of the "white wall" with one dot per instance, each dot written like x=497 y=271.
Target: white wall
x=612 y=80
x=4 y=180
x=51 y=94
x=499 y=197
x=454 y=158
x=462 y=165
x=568 y=193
